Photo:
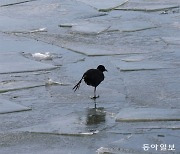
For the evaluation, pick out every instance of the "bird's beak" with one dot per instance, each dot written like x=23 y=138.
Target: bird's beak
x=106 y=70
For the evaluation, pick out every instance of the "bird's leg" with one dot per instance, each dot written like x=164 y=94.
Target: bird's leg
x=77 y=85
x=94 y=97
x=95 y=92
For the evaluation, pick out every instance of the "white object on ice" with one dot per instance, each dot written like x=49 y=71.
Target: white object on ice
x=38 y=30
x=42 y=56
x=51 y=82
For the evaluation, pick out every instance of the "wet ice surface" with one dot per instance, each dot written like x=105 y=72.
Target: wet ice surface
x=72 y=126
x=45 y=48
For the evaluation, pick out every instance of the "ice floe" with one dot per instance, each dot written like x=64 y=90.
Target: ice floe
x=148 y=114
x=133 y=58
x=132 y=26
x=135 y=143
x=140 y=66
x=172 y=40
x=13 y=2
x=147 y=6
x=41 y=56
x=104 y=5
x=30 y=31
x=8 y=107
x=95 y=50
x=11 y=85
x=15 y=63
x=90 y=28
x=176 y=24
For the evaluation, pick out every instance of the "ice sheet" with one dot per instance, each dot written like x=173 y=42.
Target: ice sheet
x=89 y=28
x=134 y=144
x=158 y=89
x=14 y=63
x=133 y=58
x=140 y=66
x=104 y=4
x=172 y=40
x=148 y=114
x=69 y=125
x=95 y=50
x=147 y=6
x=13 y=2
x=132 y=25
x=92 y=27
x=8 y=107
x=12 y=85
x=176 y=24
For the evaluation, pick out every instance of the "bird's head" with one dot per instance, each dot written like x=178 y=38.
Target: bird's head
x=101 y=68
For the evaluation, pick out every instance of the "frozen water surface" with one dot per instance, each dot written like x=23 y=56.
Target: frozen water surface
x=148 y=6
x=13 y=2
x=63 y=126
x=104 y=4
x=137 y=66
x=89 y=28
x=9 y=107
x=11 y=85
x=46 y=46
x=172 y=40
x=134 y=58
x=133 y=26
x=91 y=50
x=148 y=114
x=18 y=63
x=134 y=144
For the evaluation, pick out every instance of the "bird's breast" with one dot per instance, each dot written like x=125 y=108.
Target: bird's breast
x=93 y=77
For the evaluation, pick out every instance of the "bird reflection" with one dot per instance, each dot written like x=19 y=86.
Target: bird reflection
x=95 y=116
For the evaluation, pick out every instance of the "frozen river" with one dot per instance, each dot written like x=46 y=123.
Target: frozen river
x=47 y=45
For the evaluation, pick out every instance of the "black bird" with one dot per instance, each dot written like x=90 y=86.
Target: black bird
x=92 y=77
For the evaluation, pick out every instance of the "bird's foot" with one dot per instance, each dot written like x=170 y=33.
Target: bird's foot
x=94 y=97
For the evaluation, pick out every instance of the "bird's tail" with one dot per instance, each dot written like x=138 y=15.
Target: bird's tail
x=77 y=85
